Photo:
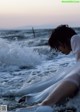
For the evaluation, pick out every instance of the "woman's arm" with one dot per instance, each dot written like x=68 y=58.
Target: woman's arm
x=65 y=89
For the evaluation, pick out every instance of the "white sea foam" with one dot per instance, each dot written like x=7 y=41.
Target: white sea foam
x=11 y=53
x=36 y=109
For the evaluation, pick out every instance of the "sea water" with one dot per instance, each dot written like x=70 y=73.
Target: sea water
x=26 y=60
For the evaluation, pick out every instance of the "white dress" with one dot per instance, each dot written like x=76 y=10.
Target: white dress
x=74 y=75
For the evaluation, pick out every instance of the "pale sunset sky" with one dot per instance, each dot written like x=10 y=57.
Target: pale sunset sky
x=23 y=13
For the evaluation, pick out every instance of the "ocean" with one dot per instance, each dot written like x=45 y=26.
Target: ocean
x=26 y=59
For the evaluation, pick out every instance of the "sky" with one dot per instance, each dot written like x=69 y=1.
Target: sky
x=45 y=13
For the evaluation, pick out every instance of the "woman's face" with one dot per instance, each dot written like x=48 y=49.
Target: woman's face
x=64 y=49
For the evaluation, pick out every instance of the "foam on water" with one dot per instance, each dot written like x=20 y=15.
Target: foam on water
x=36 y=109
x=11 y=53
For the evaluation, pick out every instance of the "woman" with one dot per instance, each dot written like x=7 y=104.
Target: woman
x=65 y=40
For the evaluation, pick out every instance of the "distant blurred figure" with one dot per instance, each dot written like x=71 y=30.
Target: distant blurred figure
x=33 y=32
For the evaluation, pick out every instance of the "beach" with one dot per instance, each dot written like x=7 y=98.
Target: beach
x=27 y=60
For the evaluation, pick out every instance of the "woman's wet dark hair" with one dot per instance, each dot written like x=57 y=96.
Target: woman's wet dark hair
x=62 y=34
